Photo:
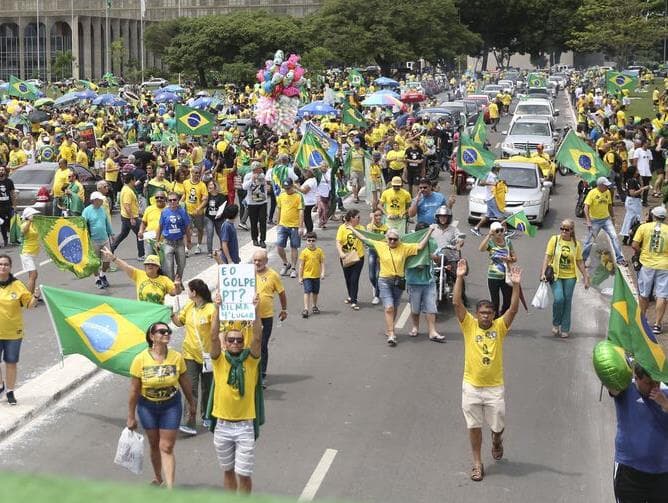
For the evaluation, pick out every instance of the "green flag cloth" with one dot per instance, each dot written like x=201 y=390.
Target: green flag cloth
x=109 y=331
x=351 y=116
x=520 y=222
x=629 y=329
x=616 y=82
x=67 y=242
x=479 y=131
x=423 y=257
x=473 y=158
x=355 y=78
x=580 y=158
x=348 y=161
x=311 y=153
x=193 y=122
x=23 y=90
x=536 y=80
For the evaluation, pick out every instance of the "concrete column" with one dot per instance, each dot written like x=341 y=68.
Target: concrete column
x=116 y=24
x=134 y=37
x=87 y=43
x=22 y=48
x=125 y=31
x=48 y=25
x=98 y=58
x=75 y=46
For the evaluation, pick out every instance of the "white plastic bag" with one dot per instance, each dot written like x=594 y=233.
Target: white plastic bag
x=130 y=451
x=543 y=297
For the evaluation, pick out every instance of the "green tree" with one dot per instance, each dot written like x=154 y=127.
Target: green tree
x=317 y=60
x=117 y=51
x=620 y=29
x=240 y=73
x=61 y=65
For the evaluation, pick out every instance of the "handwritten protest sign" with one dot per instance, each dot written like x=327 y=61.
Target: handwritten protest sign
x=237 y=291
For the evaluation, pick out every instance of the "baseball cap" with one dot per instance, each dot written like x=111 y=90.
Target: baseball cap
x=30 y=211
x=658 y=212
x=152 y=260
x=97 y=195
x=396 y=180
x=287 y=182
x=496 y=226
x=601 y=180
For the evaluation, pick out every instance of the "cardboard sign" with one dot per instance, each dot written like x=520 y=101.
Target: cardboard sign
x=87 y=133
x=237 y=291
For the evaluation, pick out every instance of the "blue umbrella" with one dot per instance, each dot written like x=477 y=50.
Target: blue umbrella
x=4 y=87
x=387 y=91
x=87 y=94
x=67 y=99
x=318 y=108
x=166 y=97
x=386 y=81
x=109 y=100
x=202 y=102
x=172 y=88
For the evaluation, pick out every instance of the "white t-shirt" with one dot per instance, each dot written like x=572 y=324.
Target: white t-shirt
x=310 y=197
x=490 y=181
x=644 y=161
x=324 y=186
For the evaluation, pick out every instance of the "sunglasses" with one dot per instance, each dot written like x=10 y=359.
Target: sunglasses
x=173 y=200
x=393 y=239
x=235 y=340
x=569 y=229
x=163 y=331
x=497 y=231
x=158 y=198
x=310 y=240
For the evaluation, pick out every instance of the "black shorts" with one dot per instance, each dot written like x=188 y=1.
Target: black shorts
x=633 y=486
x=413 y=174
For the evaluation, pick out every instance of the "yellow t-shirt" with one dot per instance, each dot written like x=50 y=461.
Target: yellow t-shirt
x=67 y=152
x=349 y=241
x=621 y=118
x=163 y=185
x=380 y=229
x=267 y=285
x=653 y=246
x=392 y=262
x=159 y=381
x=493 y=110
x=151 y=218
x=110 y=170
x=197 y=322
x=17 y=158
x=129 y=197
x=194 y=195
x=395 y=202
x=598 y=203
x=30 y=242
x=177 y=188
x=82 y=159
x=228 y=403
x=483 y=352
x=13 y=297
x=151 y=289
x=60 y=178
x=375 y=172
x=394 y=159
x=357 y=160
x=313 y=260
x=290 y=205
x=565 y=263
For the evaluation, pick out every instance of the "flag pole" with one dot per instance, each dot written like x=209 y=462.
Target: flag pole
x=55 y=331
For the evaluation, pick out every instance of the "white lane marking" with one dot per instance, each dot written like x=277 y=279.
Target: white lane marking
x=318 y=475
x=403 y=318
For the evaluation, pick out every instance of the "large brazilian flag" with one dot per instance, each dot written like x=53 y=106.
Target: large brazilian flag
x=193 y=122
x=580 y=158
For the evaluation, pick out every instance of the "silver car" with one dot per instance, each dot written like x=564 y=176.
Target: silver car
x=526 y=134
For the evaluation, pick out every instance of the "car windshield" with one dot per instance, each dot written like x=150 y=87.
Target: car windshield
x=32 y=176
x=521 y=178
x=530 y=129
x=532 y=110
x=536 y=90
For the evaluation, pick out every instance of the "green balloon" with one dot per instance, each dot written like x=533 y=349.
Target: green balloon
x=611 y=366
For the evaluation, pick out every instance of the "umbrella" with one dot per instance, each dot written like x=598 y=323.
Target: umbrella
x=109 y=100
x=166 y=97
x=37 y=116
x=382 y=100
x=43 y=102
x=386 y=81
x=4 y=86
x=171 y=88
x=86 y=94
x=387 y=91
x=67 y=99
x=202 y=93
x=202 y=102
x=318 y=108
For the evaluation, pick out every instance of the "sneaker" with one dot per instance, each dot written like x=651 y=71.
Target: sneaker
x=293 y=273
x=188 y=430
x=392 y=340
x=105 y=283
x=243 y=226
x=98 y=283
x=263 y=244
x=375 y=301
x=256 y=243
x=141 y=259
x=475 y=231
x=10 y=398
x=206 y=423
x=198 y=250
x=656 y=329
x=285 y=269
x=316 y=310
x=305 y=313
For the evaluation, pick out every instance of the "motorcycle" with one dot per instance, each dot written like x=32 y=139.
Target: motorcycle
x=583 y=190
x=446 y=273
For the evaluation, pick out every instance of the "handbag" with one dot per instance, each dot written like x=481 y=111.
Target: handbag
x=350 y=259
x=399 y=281
x=549 y=270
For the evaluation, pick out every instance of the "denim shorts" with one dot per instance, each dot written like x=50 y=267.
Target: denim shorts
x=284 y=233
x=656 y=279
x=390 y=295
x=422 y=298
x=493 y=210
x=164 y=415
x=10 y=349
x=312 y=285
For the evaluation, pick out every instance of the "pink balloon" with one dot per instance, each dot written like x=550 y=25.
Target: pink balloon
x=260 y=75
x=299 y=72
x=291 y=91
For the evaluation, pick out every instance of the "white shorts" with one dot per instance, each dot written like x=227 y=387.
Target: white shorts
x=235 y=446
x=357 y=178
x=28 y=263
x=484 y=404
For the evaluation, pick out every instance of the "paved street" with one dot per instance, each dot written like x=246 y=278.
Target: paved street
x=392 y=415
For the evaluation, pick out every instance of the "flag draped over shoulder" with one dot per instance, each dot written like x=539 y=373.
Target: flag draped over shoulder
x=580 y=158
x=352 y=116
x=423 y=257
x=629 y=329
x=473 y=158
x=520 y=222
x=21 y=89
x=192 y=121
x=108 y=331
x=67 y=242
x=616 y=82
x=479 y=131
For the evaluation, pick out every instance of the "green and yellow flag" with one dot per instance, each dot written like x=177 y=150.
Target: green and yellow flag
x=520 y=222
x=629 y=329
x=351 y=116
x=193 y=122
x=108 y=331
x=423 y=257
x=473 y=158
x=21 y=89
x=580 y=158
x=536 y=80
x=479 y=131
x=67 y=242
x=311 y=152
x=616 y=82
x=355 y=78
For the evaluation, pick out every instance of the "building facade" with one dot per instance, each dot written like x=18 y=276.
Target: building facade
x=34 y=32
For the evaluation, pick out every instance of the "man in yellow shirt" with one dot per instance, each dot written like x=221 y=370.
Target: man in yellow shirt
x=494 y=115
x=600 y=217
x=290 y=218
x=150 y=220
x=394 y=203
x=82 y=155
x=196 y=198
x=396 y=160
x=17 y=157
x=651 y=241
x=67 y=150
x=483 y=393
x=130 y=220
x=60 y=180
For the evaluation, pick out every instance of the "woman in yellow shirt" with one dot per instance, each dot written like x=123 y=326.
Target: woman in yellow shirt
x=29 y=246
x=157 y=373
x=347 y=242
x=197 y=316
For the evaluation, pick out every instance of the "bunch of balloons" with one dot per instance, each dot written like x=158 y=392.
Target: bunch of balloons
x=280 y=81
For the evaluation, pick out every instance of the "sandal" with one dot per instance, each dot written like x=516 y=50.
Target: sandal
x=497 y=446
x=316 y=310
x=305 y=313
x=477 y=473
x=355 y=307
x=413 y=332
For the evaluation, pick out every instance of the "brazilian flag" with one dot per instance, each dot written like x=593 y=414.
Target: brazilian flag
x=23 y=90
x=108 y=331
x=423 y=257
x=351 y=116
x=473 y=158
x=311 y=153
x=536 y=80
x=617 y=82
x=193 y=122
x=67 y=242
x=520 y=222
x=580 y=158
x=479 y=131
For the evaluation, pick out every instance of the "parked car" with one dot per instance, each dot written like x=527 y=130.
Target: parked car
x=436 y=113
x=153 y=83
x=508 y=86
x=526 y=133
x=526 y=191
x=34 y=182
x=458 y=108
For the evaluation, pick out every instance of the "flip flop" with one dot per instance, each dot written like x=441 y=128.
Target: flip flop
x=477 y=473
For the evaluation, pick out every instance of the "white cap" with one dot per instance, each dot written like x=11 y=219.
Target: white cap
x=496 y=226
x=659 y=212
x=601 y=180
x=29 y=212
x=97 y=195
